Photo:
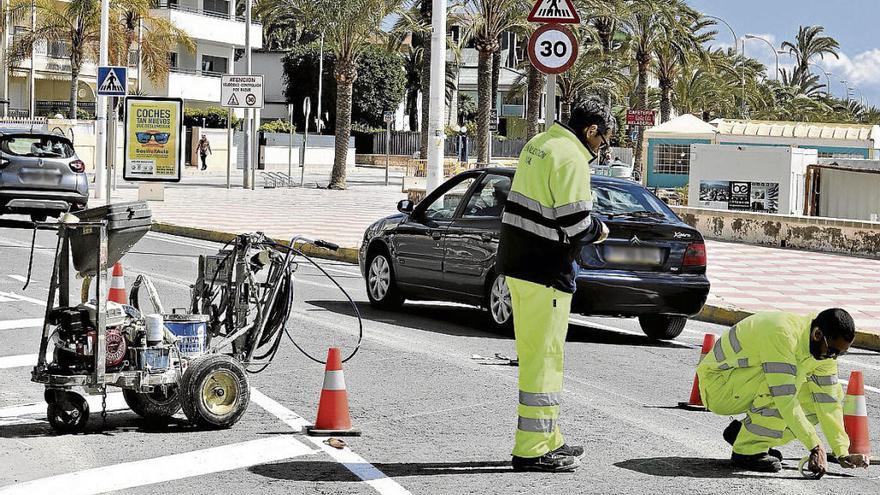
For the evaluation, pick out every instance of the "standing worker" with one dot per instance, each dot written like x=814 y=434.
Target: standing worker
x=204 y=147
x=780 y=369
x=545 y=223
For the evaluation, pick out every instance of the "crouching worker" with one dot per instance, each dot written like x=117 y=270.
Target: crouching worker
x=780 y=369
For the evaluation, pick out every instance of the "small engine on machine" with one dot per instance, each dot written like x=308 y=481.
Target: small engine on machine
x=126 y=342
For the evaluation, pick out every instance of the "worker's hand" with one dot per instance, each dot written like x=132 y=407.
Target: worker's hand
x=602 y=235
x=818 y=460
x=854 y=461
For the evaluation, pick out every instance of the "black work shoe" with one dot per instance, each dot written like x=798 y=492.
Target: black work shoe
x=552 y=462
x=764 y=463
x=732 y=431
x=570 y=450
x=775 y=453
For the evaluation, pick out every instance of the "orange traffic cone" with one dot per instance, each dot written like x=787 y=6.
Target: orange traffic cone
x=695 y=403
x=117 y=286
x=333 y=417
x=855 y=415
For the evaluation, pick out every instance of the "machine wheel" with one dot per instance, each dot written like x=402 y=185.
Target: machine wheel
x=68 y=413
x=214 y=391
x=382 y=289
x=154 y=405
x=499 y=304
x=662 y=327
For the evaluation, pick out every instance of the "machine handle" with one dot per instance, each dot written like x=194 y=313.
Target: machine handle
x=326 y=245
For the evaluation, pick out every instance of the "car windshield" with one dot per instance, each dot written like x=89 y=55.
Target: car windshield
x=37 y=146
x=626 y=200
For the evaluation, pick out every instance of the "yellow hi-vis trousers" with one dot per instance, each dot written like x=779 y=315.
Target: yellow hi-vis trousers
x=744 y=390
x=540 y=320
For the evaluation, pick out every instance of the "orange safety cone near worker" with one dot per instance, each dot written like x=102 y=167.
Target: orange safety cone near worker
x=780 y=370
x=855 y=415
x=333 y=417
x=695 y=403
x=117 y=286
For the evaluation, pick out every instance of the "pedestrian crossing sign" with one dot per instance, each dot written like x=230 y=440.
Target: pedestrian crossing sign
x=556 y=11
x=112 y=81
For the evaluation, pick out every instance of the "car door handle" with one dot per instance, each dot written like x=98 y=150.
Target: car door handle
x=486 y=237
x=435 y=235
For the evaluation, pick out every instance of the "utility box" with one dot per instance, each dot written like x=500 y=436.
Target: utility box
x=766 y=179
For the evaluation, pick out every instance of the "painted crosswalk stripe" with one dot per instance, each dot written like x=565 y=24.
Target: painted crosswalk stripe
x=36 y=412
x=19 y=297
x=18 y=361
x=23 y=323
x=19 y=278
x=352 y=461
x=163 y=469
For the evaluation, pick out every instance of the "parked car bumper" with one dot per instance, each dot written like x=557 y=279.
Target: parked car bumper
x=626 y=293
x=26 y=200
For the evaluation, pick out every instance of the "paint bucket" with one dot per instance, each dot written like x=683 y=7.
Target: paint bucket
x=155 y=329
x=191 y=332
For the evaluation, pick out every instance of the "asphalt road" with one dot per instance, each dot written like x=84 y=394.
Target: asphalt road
x=435 y=420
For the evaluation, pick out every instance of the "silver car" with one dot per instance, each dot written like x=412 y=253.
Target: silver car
x=40 y=174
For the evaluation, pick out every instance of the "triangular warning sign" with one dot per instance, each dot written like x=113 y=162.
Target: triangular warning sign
x=232 y=100
x=558 y=11
x=111 y=83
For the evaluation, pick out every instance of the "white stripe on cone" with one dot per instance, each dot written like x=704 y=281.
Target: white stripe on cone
x=334 y=380
x=854 y=405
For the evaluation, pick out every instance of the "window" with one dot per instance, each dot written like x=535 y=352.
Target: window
x=672 y=159
x=217 y=7
x=488 y=200
x=615 y=199
x=444 y=206
x=37 y=146
x=172 y=60
x=213 y=64
x=843 y=156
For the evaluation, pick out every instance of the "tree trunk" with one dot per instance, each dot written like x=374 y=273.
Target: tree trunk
x=484 y=102
x=346 y=73
x=565 y=108
x=643 y=61
x=534 y=89
x=74 y=93
x=665 y=100
x=412 y=108
x=496 y=74
x=425 y=12
x=452 y=107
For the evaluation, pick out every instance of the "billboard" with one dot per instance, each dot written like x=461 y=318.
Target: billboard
x=740 y=195
x=153 y=139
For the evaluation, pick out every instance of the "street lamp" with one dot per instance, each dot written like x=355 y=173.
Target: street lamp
x=846 y=86
x=773 y=48
x=827 y=78
x=742 y=80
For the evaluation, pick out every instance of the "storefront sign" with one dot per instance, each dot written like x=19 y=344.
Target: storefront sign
x=740 y=195
x=153 y=139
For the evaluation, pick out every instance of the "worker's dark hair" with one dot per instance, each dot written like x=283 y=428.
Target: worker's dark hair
x=587 y=113
x=834 y=323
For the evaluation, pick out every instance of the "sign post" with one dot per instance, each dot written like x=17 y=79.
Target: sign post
x=290 y=141
x=307 y=110
x=244 y=91
x=552 y=48
x=153 y=142
x=113 y=82
x=229 y=145
x=389 y=118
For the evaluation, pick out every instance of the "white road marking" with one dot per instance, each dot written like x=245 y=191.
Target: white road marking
x=19 y=278
x=163 y=469
x=353 y=462
x=19 y=361
x=36 y=412
x=858 y=363
x=183 y=241
x=23 y=323
x=868 y=388
x=19 y=297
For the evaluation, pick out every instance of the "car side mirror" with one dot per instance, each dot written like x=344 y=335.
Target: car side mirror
x=406 y=206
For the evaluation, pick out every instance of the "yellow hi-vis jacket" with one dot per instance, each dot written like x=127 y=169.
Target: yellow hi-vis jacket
x=779 y=343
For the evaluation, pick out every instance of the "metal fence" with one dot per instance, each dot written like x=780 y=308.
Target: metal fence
x=408 y=143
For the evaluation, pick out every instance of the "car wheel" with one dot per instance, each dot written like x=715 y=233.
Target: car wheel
x=382 y=289
x=499 y=304
x=662 y=327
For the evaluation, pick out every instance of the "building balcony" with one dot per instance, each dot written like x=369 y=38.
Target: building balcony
x=210 y=25
x=513 y=111
x=189 y=84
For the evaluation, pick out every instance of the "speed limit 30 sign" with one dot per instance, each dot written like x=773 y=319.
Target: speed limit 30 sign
x=553 y=49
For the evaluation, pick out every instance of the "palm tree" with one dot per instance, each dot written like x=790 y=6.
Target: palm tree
x=282 y=28
x=349 y=28
x=809 y=43
x=675 y=50
x=488 y=19
x=594 y=73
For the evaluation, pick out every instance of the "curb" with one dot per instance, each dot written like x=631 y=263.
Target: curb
x=729 y=316
x=344 y=254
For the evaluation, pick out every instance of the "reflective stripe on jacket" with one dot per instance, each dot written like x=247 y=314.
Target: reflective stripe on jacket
x=779 y=343
x=547 y=214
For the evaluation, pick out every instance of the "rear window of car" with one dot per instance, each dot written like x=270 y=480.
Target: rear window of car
x=619 y=199
x=37 y=146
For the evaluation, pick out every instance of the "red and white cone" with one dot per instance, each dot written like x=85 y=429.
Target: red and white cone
x=333 y=417
x=695 y=402
x=855 y=415
x=117 y=286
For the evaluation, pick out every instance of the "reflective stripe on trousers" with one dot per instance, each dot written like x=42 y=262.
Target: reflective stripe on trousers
x=540 y=320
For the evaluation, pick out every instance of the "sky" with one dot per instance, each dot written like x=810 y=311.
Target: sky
x=855 y=24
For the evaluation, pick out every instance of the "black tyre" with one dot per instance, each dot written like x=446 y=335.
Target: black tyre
x=68 y=413
x=157 y=405
x=498 y=304
x=214 y=391
x=382 y=287
x=662 y=327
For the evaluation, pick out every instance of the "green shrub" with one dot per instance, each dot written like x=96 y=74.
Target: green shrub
x=213 y=117
x=282 y=126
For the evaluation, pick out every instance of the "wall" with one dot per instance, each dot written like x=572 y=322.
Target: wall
x=219 y=140
x=667 y=180
x=848 y=194
x=320 y=150
x=810 y=233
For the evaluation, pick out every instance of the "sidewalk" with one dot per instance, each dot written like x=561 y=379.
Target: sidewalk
x=744 y=278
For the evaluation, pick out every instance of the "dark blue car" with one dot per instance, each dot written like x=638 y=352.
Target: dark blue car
x=653 y=265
